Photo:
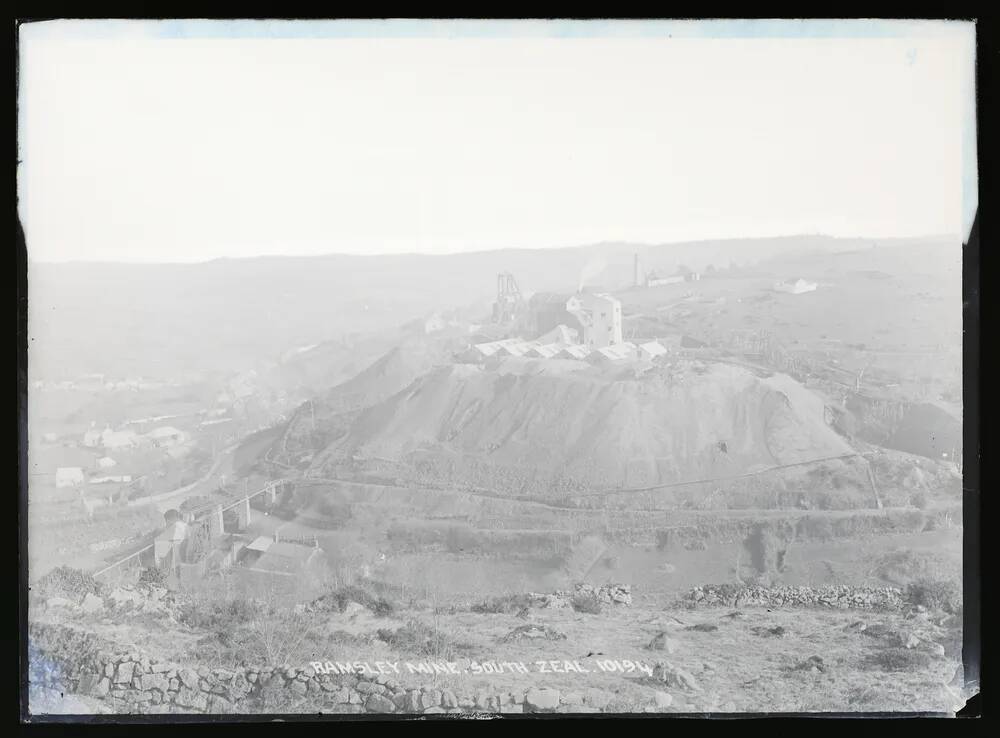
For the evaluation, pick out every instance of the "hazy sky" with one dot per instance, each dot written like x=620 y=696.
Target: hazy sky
x=181 y=143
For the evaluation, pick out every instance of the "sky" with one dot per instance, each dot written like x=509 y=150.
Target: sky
x=187 y=141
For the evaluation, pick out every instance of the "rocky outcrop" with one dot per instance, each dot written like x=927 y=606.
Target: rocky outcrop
x=606 y=594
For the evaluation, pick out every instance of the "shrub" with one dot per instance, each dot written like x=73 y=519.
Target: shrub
x=217 y=615
x=767 y=550
x=418 y=638
x=666 y=538
x=341 y=597
x=936 y=594
x=153 y=575
x=901 y=567
x=587 y=603
x=506 y=604
x=65 y=581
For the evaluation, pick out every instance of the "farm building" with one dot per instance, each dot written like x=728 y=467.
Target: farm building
x=651 y=350
x=281 y=558
x=166 y=436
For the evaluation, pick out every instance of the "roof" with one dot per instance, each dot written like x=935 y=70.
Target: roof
x=261 y=543
x=653 y=348
x=617 y=352
x=516 y=348
x=285 y=558
x=546 y=351
x=118 y=438
x=576 y=351
x=547 y=298
x=560 y=334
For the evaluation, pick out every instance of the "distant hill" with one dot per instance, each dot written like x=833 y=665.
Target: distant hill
x=171 y=320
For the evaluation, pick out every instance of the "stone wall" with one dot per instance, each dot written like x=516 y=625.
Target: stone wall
x=73 y=661
x=836 y=596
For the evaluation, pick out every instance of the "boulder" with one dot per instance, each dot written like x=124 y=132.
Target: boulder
x=353 y=609
x=379 y=703
x=189 y=678
x=542 y=699
x=662 y=699
x=674 y=676
x=430 y=698
x=92 y=603
x=123 y=675
x=662 y=642
x=597 y=698
x=191 y=698
x=411 y=703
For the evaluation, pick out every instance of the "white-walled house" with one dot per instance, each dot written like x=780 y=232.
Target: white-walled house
x=69 y=476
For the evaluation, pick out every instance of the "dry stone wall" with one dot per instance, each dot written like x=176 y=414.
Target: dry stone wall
x=72 y=661
x=836 y=596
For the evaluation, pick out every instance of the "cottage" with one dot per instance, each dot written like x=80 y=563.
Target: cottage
x=166 y=436
x=106 y=462
x=118 y=439
x=69 y=476
x=92 y=438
